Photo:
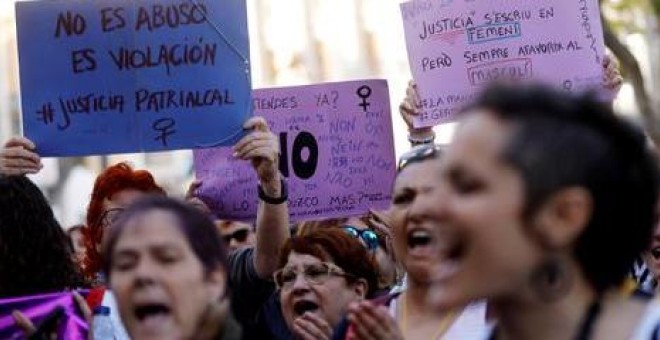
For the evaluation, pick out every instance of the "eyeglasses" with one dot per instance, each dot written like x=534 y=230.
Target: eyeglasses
x=418 y=154
x=110 y=216
x=315 y=274
x=368 y=236
x=238 y=235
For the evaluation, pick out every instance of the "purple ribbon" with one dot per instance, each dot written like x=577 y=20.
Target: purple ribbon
x=36 y=308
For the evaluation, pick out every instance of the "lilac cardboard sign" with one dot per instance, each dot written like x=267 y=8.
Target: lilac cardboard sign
x=336 y=152
x=455 y=47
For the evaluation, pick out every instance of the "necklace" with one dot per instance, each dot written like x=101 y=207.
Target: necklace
x=445 y=323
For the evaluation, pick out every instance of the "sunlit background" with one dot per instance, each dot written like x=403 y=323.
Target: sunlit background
x=293 y=42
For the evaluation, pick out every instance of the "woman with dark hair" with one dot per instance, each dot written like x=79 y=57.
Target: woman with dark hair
x=406 y=314
x=167 y=266
x=320 y=274
x=545 y=203
x=35 y=255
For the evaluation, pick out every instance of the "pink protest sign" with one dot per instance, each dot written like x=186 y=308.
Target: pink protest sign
x=336 y=152
x=455 y=47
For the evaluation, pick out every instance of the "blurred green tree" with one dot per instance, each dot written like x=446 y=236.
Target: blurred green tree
x=620 y=19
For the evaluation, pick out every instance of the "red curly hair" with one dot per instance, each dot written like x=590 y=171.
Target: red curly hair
x=111 y=181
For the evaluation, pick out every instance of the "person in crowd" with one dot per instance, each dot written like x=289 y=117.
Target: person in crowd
x=320 y=274
x=641 y=278
x=77 y=241
x=250 y=269
x=35 y=256
x=546 y=199
x=644 y=274
x=374 y=234
x=114 y=190
x=651 y=260
x=406 y=314
x=168 y=268
x=236 y=234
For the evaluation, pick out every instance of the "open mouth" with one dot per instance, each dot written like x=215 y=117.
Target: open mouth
x=419 y=238
x=303 y=306
x=151 y=310
x=451 y=252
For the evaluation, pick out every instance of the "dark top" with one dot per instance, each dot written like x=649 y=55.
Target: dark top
x=248 y=292
x=271 y=320
x=231 y=330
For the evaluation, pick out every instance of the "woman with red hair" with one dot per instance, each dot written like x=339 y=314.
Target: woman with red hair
x=117 y=187
x=114 y=189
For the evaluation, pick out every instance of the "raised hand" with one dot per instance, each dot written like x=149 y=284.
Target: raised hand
x=311 y=327
x=17 y=158
x=262 y=148
x=612 y=79
x=371 y=322
x=192 y=199
x=411 y=108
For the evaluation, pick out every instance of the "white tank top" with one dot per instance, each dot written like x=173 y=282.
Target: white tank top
x=470 y=324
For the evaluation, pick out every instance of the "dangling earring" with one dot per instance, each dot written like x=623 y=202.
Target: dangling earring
x=552 y=279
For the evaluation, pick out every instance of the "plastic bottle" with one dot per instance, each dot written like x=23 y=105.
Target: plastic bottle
x=102 y=324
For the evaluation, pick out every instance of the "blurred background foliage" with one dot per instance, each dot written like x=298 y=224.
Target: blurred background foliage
x=628 y=23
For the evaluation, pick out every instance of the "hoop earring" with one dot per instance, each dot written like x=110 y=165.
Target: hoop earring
x=552 y=279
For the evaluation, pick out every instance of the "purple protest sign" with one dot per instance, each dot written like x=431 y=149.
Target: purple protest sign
x=456 y=47
x=337 y=153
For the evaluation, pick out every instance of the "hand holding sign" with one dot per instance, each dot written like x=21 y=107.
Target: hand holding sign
x=17 y=158
x=410 y=107
x=410 y=110
x=612 y=79
x=194 y=201
x=262 y=149
x=334 y=146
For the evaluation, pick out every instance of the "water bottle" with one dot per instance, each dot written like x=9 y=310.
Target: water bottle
x=102 y=324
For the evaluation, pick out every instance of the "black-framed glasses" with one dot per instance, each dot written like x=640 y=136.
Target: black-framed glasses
x=418 y=154
x=368 y=236
x=110 y=216
x=316 y=274
x=239 y=235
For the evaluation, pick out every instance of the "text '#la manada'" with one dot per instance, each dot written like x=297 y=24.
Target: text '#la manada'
x=155 y=101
